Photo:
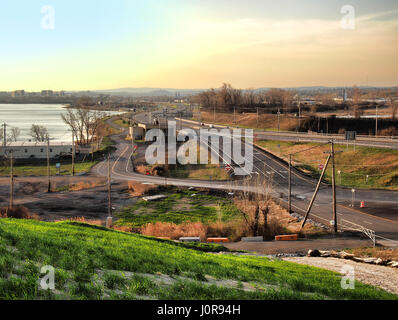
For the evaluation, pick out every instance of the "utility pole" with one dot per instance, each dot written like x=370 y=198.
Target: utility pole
x=234 y=115
x=299 y=114
x=327 y=125
x=279 y=120
x=316 y=192
x=257 y=116
x=377 y=118
x=73 y=152
x=48 y=165
x=109 y=218
x=12 y=179
x=290 y=183
x=334 y=186
x=5 y=138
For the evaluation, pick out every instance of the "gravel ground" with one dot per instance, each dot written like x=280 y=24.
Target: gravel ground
x=378 y=276
x=301 y=246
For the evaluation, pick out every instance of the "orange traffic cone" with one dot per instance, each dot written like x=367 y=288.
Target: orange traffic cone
x=362 y=204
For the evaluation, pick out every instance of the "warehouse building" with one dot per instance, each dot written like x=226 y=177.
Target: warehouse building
x=36 y=150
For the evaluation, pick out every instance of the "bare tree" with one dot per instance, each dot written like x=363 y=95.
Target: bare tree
x=392 y=103
x=249 y=97
x=394 y=108
x=84 y=123
x=255 y=206
x=355 y=102
x=14 y=134
x=70 y=119
x=39 y=133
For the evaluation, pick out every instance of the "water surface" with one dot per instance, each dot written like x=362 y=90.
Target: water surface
x=23 y=116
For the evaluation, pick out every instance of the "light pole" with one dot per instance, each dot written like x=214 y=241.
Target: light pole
x=48 y=165
x=353 y=198
x=73 y=152
x=377 y=118
x=290 y=183
x=12 y=179
x=258 y=116
x=279 y=121
x=299 y=119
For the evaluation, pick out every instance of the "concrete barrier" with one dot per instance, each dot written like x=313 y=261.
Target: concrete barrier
x=253 y=239
x=217 y=240
x=290 y=237
x=154 y=198
x=164 y=238
x=189 y=239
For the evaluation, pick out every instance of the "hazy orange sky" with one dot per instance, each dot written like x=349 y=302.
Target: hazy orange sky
x=197 y=44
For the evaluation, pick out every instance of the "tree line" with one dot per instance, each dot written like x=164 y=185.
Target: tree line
x=227 y=98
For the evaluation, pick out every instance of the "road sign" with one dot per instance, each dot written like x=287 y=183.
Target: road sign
x=350 y=135
x=321 y=166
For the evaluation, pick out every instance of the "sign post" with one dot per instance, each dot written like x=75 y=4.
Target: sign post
x=58 y=167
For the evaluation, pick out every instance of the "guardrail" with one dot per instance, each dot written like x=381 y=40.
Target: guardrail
x=389 y=139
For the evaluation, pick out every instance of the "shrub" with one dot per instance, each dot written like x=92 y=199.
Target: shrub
x=18 y=212
x=174 y=231
x=137 y=189
x=391 y=131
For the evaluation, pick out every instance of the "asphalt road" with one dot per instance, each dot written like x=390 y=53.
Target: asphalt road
x=380 y=215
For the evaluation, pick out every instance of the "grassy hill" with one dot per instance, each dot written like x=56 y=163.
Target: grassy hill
x=92 y=262
x=379 y=164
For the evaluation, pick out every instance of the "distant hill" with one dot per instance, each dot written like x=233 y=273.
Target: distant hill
x=150 y=92
x=171 y=92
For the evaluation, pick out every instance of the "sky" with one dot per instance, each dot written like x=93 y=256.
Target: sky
x=97 y=44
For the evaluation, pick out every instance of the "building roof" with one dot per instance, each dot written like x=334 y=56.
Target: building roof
x=37 y=144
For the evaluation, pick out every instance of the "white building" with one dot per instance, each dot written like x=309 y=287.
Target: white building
x=36 y=150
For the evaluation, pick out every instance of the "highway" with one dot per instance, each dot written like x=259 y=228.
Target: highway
x=364 y=141
x=380 y=216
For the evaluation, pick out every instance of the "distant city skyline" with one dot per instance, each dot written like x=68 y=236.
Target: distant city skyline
x=103 y=45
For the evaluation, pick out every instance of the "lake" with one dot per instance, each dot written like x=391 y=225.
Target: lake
x=23 y=116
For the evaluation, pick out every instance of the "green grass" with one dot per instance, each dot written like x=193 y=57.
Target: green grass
x=41 y=169
x=122 y=123
x=199 y=172
x=180 y=206
x=95 y=263
x=379 y=164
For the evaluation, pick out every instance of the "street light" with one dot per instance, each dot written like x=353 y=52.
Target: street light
x=353 y=198
x=279 y=121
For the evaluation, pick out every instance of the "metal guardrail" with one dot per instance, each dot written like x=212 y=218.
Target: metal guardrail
x=389 y=139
